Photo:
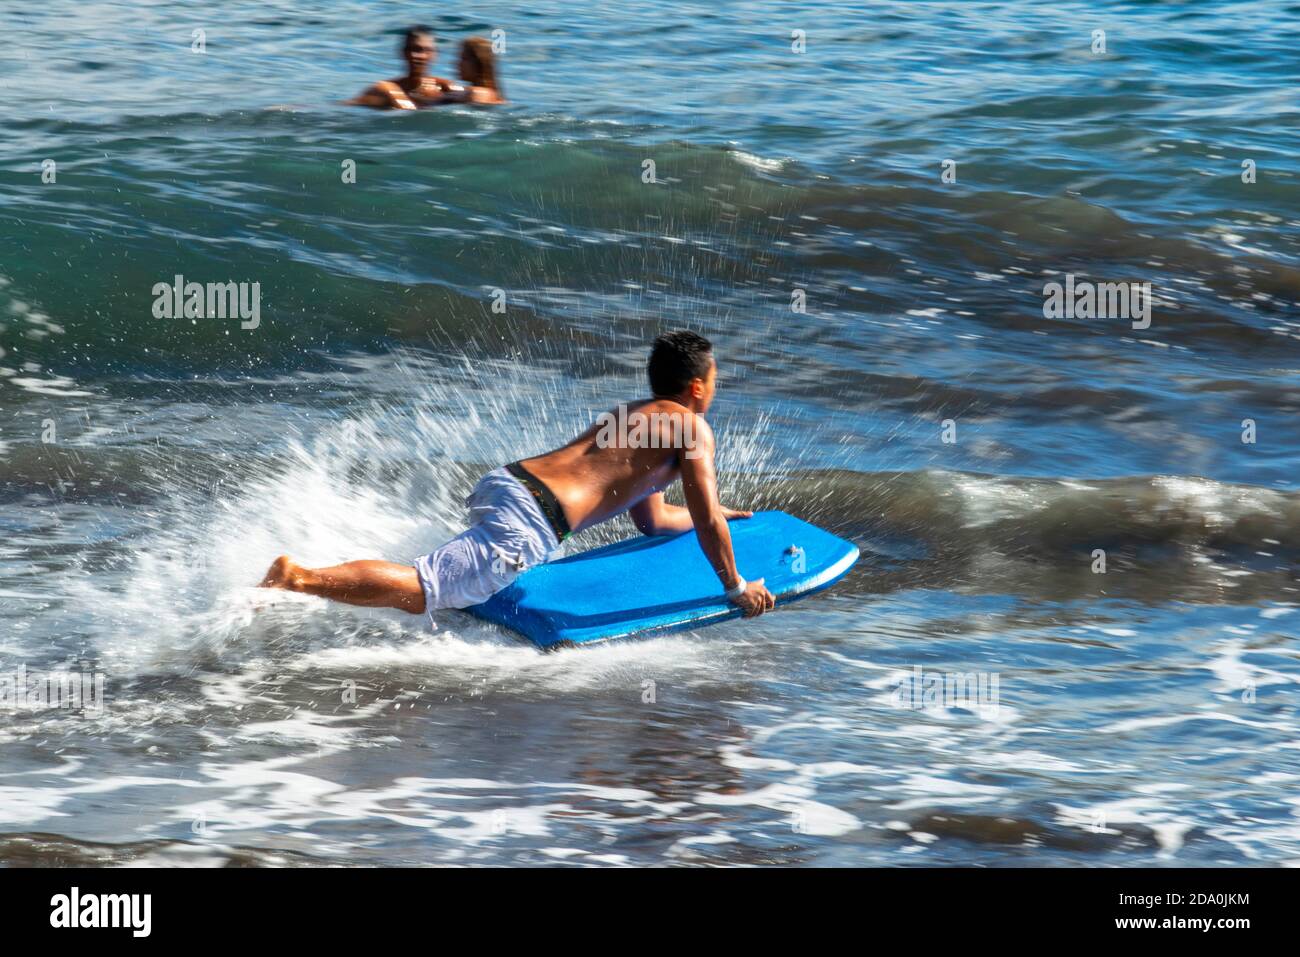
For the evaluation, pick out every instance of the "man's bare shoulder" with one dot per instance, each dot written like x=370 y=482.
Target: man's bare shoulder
x=652 y=424
x=678 y=426
x=385 y=94
x=662 y=406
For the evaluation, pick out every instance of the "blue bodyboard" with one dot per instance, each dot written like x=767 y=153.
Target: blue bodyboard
x=663 y=582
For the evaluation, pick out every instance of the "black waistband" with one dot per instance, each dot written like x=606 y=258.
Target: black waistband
x=550 y=505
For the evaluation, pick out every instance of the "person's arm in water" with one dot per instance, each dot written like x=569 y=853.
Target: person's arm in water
x=485 y=96
x=385 y=95
x=654 y=516
x=700 y=483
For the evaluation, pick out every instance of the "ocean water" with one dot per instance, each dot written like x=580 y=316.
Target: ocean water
x=151 y=468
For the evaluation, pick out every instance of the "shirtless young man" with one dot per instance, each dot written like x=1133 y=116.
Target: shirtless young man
x=416 y=88
x=519 y=514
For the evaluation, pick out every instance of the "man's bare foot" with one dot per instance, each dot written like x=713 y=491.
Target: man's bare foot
x=283 y=573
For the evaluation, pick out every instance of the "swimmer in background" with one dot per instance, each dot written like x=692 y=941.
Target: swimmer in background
x=417 y=88
x=478 y=68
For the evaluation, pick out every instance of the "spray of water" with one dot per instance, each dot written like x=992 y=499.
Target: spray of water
x=385 y=482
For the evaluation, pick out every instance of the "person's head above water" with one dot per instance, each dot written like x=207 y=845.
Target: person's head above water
x=681 y=368
x=419 y=50
x=478 y=64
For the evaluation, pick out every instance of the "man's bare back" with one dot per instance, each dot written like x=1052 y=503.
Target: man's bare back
x=595 y=480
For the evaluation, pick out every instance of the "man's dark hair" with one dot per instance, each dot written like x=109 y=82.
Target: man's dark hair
x=676 y=359
x=419 y=30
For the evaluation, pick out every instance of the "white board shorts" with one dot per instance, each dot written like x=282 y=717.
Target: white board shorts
x=508 y=534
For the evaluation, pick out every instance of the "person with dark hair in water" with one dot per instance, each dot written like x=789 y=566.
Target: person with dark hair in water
x=478 y=68
x=417 y=88
x=520 y=513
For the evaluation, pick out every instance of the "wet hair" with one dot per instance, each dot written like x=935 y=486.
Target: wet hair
x=675 y=359
x=479 y=50
x=419 y=30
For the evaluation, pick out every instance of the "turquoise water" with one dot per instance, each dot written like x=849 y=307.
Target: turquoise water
x=152 y=467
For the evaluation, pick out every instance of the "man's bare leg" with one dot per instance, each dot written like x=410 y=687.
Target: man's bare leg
x=373 y=584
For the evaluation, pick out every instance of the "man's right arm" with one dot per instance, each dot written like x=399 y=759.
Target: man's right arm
x=383 y=95
x=700 y=485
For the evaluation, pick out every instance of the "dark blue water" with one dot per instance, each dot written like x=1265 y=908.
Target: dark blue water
x=152 y=467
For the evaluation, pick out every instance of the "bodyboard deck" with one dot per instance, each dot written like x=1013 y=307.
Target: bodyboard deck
x=664 y=582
